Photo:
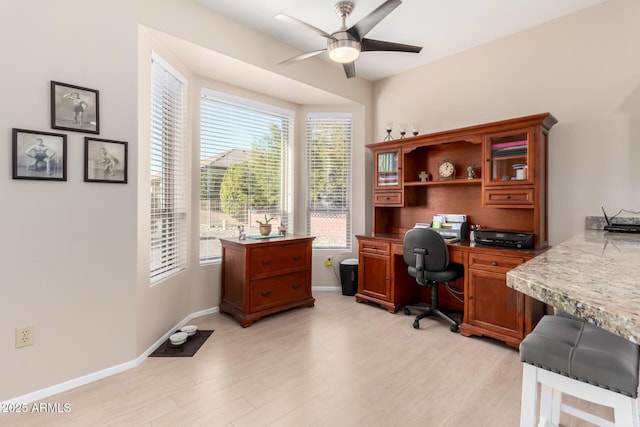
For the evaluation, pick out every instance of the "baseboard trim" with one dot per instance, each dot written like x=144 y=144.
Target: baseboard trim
x=104 y=373
x=326 y=288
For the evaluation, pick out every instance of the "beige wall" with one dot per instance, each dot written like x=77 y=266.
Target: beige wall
x=74 y=255
x=583 y=68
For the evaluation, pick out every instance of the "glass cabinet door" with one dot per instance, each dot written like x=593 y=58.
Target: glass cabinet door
x=387 y=170
x=508 y=157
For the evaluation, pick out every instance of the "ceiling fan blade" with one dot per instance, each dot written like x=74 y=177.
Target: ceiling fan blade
x=287 y=18
x=363 y=26
x=350 y=69
x=369 y=45
x=303 y=56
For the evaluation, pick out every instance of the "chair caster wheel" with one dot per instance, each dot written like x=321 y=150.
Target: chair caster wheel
x=416 y=324
x=454 y=328
x=407 y=311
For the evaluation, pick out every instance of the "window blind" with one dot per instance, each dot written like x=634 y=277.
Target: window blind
x=168 y=202
x=329 y=179
x=244 y=168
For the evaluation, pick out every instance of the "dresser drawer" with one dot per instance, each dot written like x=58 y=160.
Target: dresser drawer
x=279 y=259
x=375 y=247
x=497 y=263
x=387 y=198
x=509 y=197
x=279 y=290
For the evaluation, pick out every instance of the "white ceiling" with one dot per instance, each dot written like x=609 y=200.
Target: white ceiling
x=441 y=27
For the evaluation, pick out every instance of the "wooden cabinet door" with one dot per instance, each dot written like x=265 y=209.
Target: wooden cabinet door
x=374 y=276
x=387 y=170
x=509 y=158
x=494 y=307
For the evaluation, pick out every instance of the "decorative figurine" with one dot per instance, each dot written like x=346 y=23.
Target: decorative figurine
x=471 y=170
x=424 y=176
x=241 y=234
x=282 y=229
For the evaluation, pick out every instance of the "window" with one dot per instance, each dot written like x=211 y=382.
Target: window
x=168 y=204
x=244 y=168
x=329 y=180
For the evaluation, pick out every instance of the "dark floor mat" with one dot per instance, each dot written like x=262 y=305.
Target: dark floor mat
x=187 y=349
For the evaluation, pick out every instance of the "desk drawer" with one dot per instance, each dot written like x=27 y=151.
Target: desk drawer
x=387 y=198
x=279 y=290
x=375 y=247
x=509 y=197
x=497 y=263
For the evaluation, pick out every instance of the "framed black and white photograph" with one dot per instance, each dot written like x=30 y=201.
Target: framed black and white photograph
x=39 y=155
x=105 y=160
x=74 y=108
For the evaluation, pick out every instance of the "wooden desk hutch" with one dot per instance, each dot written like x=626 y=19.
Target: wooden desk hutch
x=508 y=192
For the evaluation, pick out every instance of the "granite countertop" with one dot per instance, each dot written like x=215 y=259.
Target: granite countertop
x=594 y=275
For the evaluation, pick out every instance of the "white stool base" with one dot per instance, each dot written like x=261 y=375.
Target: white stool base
x=554 y=385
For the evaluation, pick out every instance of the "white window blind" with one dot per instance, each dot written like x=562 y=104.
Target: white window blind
x=244 y=168
x=329 y=180
x=168 y=204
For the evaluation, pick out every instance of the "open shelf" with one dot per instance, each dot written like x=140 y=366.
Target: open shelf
x=459 y=181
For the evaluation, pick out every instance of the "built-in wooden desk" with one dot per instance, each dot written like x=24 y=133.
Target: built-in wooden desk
x=490 y=307
x=592 y=275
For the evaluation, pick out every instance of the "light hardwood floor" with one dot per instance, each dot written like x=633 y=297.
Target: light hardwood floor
x=339 y=363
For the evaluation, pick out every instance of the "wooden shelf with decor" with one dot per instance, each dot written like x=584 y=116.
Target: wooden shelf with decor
x=499 y=182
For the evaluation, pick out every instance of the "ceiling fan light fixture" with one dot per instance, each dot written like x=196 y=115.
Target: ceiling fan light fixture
x=344 y=51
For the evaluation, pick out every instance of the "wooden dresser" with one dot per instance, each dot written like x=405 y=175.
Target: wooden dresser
x=265 y=276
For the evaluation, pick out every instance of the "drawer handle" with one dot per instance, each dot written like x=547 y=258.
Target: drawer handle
x=296 y=286
x=296 y=257
x=265 y=261
x=388 y=198
x=507 y=196
x=265 y=294
x=493 y=263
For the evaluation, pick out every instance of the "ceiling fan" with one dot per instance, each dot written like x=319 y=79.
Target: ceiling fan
x=345 y=45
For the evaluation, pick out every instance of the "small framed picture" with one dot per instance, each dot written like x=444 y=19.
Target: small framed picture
x=74 y=108
x=105 y=160
x=39 y=155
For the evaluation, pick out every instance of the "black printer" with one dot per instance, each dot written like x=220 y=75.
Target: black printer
x=504 y=238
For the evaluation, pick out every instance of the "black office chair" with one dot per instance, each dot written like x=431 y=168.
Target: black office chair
x=427 y=256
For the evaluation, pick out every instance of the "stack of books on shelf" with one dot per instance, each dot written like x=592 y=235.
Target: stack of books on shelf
x=387 y=169
x=513 y=148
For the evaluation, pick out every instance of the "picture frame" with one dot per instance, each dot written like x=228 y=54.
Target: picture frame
x=105 y=160
x=39 y=155
x=75 y=108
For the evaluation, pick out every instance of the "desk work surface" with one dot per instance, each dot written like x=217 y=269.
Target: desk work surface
x=593 y=275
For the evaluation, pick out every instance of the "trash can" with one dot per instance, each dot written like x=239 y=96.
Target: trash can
x=349 y=276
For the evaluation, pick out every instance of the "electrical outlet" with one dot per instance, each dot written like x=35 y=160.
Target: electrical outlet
x=328 y=262
x=24 y=336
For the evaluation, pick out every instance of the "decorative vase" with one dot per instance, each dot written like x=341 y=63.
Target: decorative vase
x=265 y=229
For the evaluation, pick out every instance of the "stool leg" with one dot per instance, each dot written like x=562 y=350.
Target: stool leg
x=556 y=404
x=529 y=399
x=546 y=405
x=625 y=412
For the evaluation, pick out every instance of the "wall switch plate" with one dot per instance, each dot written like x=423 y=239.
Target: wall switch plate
x=24 y=336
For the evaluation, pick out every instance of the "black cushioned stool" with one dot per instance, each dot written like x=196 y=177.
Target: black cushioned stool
x=565 y=355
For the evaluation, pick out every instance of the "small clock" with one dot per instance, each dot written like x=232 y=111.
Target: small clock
x=446 y=169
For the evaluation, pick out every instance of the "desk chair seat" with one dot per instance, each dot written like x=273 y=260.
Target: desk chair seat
x=427 y=257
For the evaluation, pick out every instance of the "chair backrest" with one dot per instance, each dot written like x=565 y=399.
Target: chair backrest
x=437 y=253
